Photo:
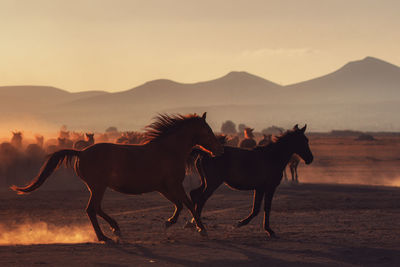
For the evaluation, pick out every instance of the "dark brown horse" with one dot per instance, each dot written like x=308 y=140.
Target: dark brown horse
x=259 y=169
x=157 y=165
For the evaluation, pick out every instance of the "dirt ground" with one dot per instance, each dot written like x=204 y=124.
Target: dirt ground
x=319 y=222
x=317 y=225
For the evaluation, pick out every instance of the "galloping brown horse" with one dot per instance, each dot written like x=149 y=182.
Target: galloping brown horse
x=157 y=165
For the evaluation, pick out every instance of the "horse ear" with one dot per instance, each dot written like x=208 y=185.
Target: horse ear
x=204 y=116
x=296 y=127
x=304 y=128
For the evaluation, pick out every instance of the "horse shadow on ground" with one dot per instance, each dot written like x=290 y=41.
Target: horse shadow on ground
x=257 y=255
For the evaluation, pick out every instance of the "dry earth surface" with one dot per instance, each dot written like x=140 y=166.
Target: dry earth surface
x=318 y=224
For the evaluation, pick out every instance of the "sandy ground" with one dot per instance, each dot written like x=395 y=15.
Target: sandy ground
x=317 y=224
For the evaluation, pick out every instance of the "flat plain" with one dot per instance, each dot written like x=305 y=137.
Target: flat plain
x=320 y=221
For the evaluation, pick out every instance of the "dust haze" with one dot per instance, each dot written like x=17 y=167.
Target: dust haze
x=30 y=232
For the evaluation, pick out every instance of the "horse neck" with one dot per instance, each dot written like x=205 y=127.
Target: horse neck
x=283 y=152
x=179 y=143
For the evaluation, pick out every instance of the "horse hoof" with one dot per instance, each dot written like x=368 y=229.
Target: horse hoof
x=239 y=224
x=271 y=234
x=106 y=240
x=117 y=232
x=203 y=232
x=168 y=224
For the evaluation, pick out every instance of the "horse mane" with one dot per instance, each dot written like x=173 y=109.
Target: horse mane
x=165 y=124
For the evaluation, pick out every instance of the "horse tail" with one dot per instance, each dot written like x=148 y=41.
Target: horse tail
x=194 y=156
x=54 y=161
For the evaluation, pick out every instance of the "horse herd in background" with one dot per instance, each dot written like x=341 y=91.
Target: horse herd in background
x=21 y=157
x=32 y=155
x=171 y=146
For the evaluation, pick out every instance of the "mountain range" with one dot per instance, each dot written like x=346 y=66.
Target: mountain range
x=361 y=95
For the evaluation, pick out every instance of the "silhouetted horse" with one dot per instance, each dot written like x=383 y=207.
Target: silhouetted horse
x=64 y=143
x=259 y=169
x=232 y=141
x=81 y=144
x=16 y=140
x=293 y=164
x=267 y=138
x=157 y=165
x=130 y=138
x=222 y=139
x=248 y=141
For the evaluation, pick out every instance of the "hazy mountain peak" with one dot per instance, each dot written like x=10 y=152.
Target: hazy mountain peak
x=369 y=63
x=241 y=77
x=161 y=82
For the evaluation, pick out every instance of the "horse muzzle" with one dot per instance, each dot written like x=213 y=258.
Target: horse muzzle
x=309 y=160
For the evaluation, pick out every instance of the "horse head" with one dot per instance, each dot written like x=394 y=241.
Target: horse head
x=300 y=144
x=205 y=137
x=248 y=133
x=90 y=136
x=222 y=138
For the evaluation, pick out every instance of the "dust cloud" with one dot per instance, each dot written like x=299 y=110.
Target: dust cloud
x=39 y=232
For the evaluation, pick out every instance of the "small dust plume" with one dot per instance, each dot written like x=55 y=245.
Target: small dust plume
x=30 y=233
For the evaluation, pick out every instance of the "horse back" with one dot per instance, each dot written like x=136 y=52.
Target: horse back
x=242 y=169
x=132 y=169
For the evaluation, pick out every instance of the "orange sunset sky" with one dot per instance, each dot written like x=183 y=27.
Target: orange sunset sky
x=115 y=45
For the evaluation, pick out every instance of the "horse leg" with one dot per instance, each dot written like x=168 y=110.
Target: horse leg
x=292 y=168
x=269 y=194
x=296 y=176
x=114 y=225
x=92 y=210
x=189 y=204
x=285 y=179
x=196 y=193
x=178 y=208
x=202 y=199
x=258 y=196
x=211 y=187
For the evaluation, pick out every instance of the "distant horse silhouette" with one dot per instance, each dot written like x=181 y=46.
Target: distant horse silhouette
x=39 y=140
x=293 y=164
x=267 y=138
x=64 y=133
x=36 y=150
x=16 y=140
x=81 y=144
x=157 y=165
x=248 y=142
x=222 y=138
x=131 y=138
x=259 y=169
x=76 y=136
x=232 y=141
x=64 y=143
